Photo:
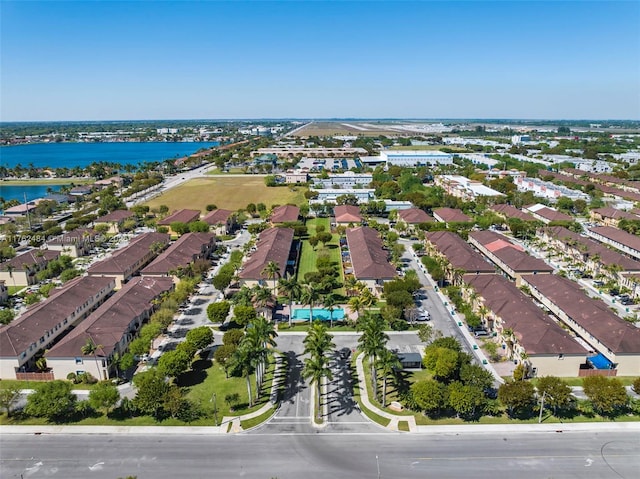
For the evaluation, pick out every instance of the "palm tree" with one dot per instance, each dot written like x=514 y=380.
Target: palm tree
x=372 y=342
x=317 y=344
x=272 y=271
x=329 y=301
x=261 y=297
x=245 y=359
x=315 y=368
x=292 y=290
x=356 y=305
x=90 y=348
x=310 y=295
x=262 y=334
x=388 y=362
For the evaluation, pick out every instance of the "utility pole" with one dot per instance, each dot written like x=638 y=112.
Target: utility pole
x=215 y=408
x=378 y=466
x=544 y=393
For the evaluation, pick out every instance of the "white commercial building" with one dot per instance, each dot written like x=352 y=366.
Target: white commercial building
x=412 y=158
x=363 y=195
x=347 y=179
x=546 y=189
x=463 y=187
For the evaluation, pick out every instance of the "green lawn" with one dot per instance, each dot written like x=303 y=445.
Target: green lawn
x=308 y=256
x=14 y=289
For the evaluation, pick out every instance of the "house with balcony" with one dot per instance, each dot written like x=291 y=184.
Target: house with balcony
x=369 y=260
x=177 y=258
x=274 y=244
x=114 y=220
x=221 y=222
x=21 y=270
x=75 y=243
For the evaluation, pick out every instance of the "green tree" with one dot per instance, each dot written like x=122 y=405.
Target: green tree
x=476 y=375
x=151 y=388
x=243 y=315
x=429 y=395
x=233 y=337
x=557 y=393
x=372 y=342
x=387 y=363
x=179 y=227
x=310 y=295
x=607 y=395
x=272 y=271
x=91 y=349
x=218 y=312
x=466 y=400
x=223 y=355
x=8 y=397
x=292 y=289
x=174 y=363
x=104 y=397
x=517 y=397
x=52 y=400
x=198 y=227
x=442 y=362
x=6 y=316
x=126 y=362
x=201 y=337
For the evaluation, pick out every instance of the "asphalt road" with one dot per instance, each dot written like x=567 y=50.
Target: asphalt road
x=320 y=455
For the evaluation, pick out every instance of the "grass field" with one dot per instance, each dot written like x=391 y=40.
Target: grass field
x=308 y=256
x=232 y=193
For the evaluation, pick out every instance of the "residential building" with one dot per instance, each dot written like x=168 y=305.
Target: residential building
x=74 y=243
x=114 y=220
x=346 y=215
x=347 y=179
x=297 y=176
x=609 y=335
x=509 y=257
x=546 y=214
x=620 y=240
x=450 y=215
x=458 y=256
x=593 y=166
x=411 y=217
x=274 y=244
x=611 y=216
x=508 y=212
x=528 y=335
x=181 y=216
x=21 y=210
x=546 y=189
x=464 y=188
x=128 y=261
x=413 y=158
x=21 y=270
x=221 y=222
x=186 y=250
x=479 y=159
x=111 y=327
x=284 y=214
x=42 y=324
x=364 y=195
x=369 y=260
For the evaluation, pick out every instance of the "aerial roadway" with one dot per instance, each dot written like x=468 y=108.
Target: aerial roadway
x=469 y=454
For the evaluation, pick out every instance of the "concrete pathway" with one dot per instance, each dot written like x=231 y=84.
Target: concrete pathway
x=394 y=419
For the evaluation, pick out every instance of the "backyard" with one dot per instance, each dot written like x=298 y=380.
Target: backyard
x=309 y=255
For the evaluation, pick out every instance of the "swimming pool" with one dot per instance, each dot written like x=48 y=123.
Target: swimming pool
x=318 y=314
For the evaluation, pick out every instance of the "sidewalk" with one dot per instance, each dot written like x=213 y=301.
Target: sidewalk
x=364 y=397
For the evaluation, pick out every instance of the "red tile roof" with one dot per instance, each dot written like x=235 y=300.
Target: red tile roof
x=182 y=216
x=451 y=215
x=109 y=323
x=414 y=216
x=618 y=236
x=368 y=259
x=274 y=244
x=593 y=315
x=217 y=217
x=115 y=216
x=509 y=211
x=285 y=214
x=17 y=336
x=512 y=255
x=347 y=214
x=615 y=214
x=459 y=253
x=535 y=330
x=29 y=259
x=180 y=254
x=123 y=259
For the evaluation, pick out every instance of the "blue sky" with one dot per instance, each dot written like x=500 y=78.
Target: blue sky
x=89 y=60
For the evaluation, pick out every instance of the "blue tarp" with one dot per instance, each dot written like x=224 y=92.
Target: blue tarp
x=600 y=362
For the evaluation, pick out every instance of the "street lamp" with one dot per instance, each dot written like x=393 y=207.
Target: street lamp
x=378 y=466
x=544 y=393
x=215 y=407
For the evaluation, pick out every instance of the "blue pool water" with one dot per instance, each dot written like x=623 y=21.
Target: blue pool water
x=318 y=314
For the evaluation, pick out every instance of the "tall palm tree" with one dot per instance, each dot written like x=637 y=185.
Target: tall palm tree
x=262 y=334
x=261 y=297
x=272 y=271
x=388 y=363
x=314 y=369
x=90 y=348
x=292 y=289
x=329 y=301
x=356 y=305
x=245 y=358
x=310 y=295
x=372 y=342
x=318 y=341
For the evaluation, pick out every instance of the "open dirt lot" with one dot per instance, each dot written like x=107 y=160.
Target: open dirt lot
x=226 y=192
x=328 y=128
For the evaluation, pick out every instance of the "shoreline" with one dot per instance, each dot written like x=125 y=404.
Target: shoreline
x=78 y=180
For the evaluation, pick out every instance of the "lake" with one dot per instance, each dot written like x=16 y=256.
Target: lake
x=17 y=192
x=56 y=155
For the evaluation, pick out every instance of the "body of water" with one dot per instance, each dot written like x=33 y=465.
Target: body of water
x=18 y=192
x=318 y=314
x=69 y=155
